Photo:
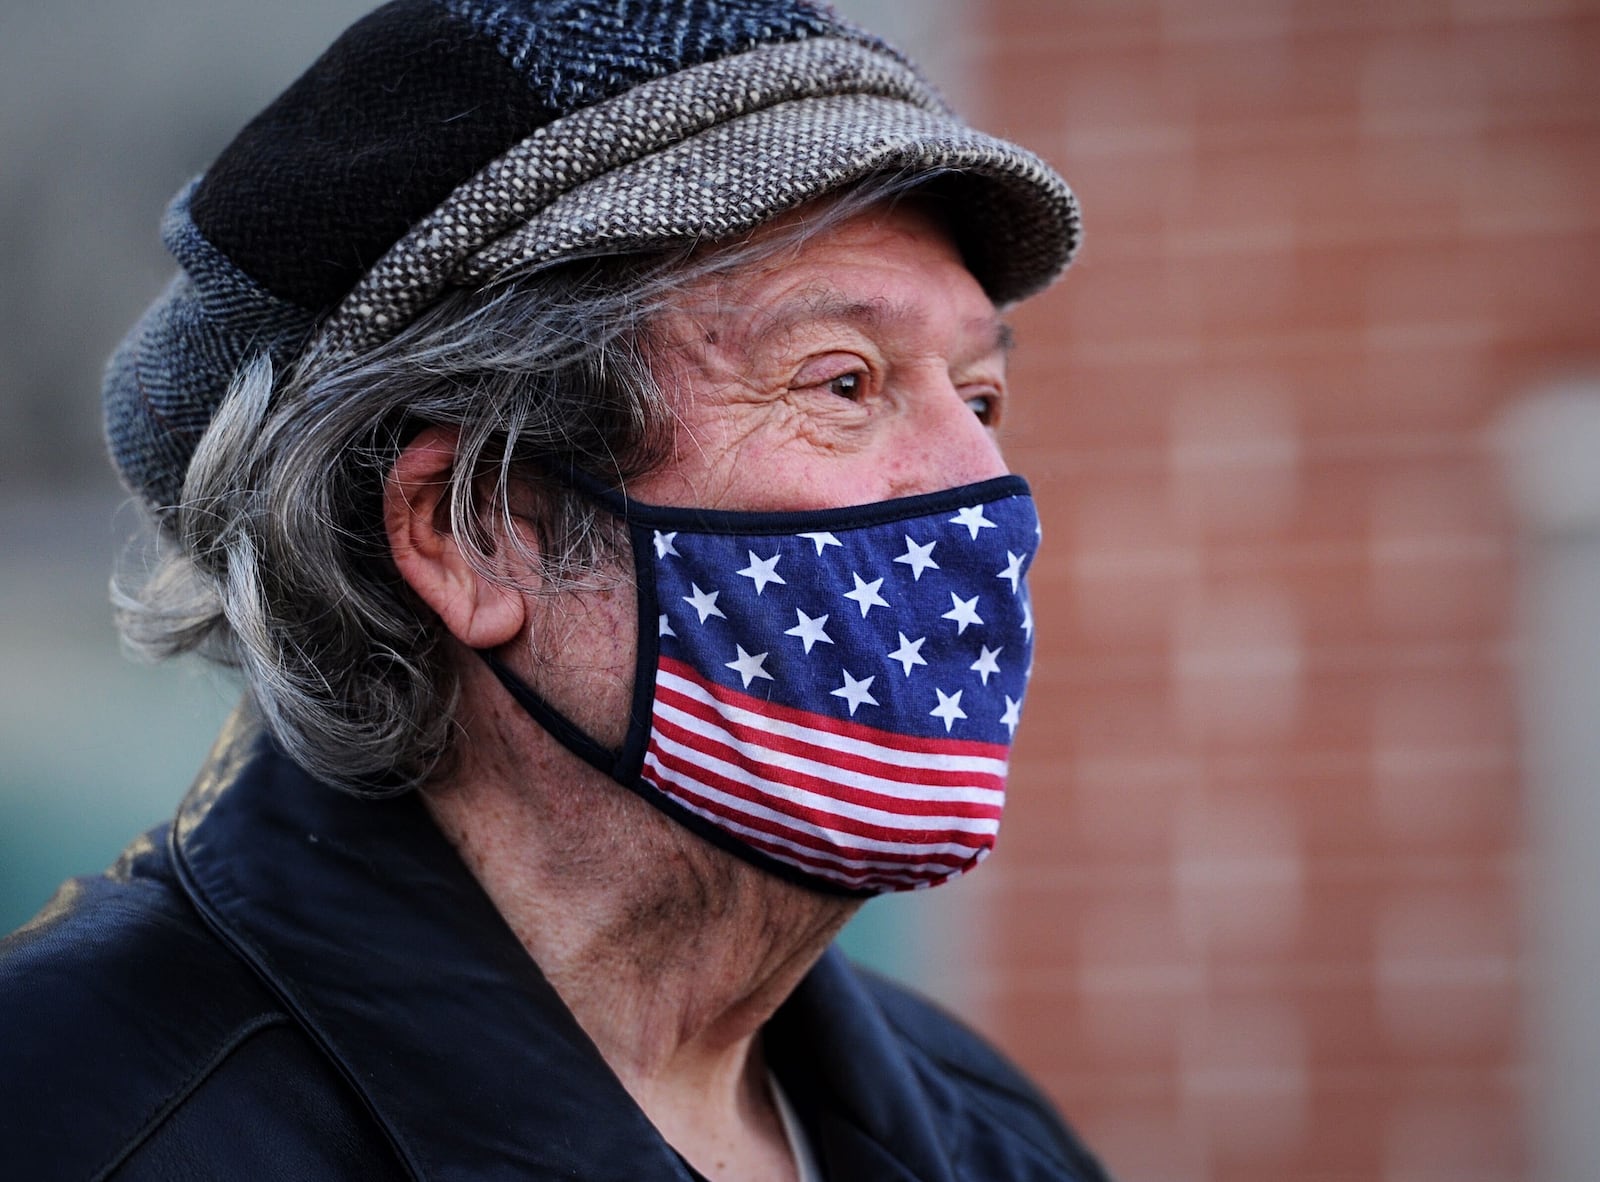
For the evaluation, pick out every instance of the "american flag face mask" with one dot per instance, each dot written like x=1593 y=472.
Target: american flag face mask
x=828 y=694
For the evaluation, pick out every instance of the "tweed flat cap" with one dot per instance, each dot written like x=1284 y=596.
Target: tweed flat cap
x=448 y=143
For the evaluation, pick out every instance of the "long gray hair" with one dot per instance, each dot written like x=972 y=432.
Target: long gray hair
x=276 y=562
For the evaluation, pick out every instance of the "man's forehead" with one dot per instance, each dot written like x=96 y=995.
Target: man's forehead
x=878 y=270
x=882 y=314
x=748 y=327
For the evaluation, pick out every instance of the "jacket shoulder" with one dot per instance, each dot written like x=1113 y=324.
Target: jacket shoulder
x=116 y=1006
x=986 y=1098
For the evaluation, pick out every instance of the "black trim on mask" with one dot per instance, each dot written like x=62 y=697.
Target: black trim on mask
x=559 y=726
x=738 y=521
x=647 y=653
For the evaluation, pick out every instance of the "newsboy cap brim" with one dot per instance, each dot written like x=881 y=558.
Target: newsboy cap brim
x=715 y=151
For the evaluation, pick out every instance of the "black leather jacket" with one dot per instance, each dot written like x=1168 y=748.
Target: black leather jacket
x=289 y=983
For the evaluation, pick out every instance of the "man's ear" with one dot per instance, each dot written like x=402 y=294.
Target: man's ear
x=477 y=610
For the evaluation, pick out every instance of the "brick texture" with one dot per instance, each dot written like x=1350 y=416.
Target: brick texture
x=1258 y=892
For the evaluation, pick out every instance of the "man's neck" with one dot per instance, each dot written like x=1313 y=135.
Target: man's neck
x=670 y=953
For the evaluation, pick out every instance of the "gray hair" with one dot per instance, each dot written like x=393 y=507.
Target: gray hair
x=276 y=563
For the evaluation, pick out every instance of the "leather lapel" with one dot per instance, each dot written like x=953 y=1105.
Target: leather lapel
x=359 y=914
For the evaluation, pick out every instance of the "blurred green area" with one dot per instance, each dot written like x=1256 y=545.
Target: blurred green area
x=95 y=747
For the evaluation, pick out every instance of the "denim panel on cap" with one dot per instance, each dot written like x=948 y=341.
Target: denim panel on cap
x=576 y=52
x=167 y=378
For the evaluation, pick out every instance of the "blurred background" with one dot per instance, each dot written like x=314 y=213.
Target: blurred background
x=1298 y=881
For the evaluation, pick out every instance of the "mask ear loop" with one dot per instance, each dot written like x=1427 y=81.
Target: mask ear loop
x=646 y=659
x=621 y=765
x=559 y=727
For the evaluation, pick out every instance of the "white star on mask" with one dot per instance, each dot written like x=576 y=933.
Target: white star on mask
x=810 y=630
x=917 y=558
x=664 y=626
x=761 y=572
x=821 y=540
x=704 y=602
x=964 y=612
x=909 y=654
x=972 y=517
x=1013 y=714
x=949 y=708
x=986 y=664
x=866 y=594
x=664 y=544
x=1013 y=570
x=749 y=667
x=1027 y=618
x=855 y=692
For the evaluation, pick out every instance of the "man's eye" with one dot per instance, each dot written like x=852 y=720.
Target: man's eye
x=982 y=405
x=846 y=385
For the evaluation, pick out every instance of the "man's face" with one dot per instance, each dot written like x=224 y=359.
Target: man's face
x=864 y=364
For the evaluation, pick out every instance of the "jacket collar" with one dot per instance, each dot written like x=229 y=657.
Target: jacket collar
x=363 y=920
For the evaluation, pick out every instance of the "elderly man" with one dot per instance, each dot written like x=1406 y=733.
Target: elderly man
x=577 y=423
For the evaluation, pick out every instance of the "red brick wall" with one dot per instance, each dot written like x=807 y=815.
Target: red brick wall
x=1258 y=890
